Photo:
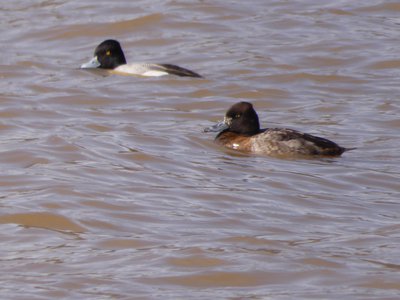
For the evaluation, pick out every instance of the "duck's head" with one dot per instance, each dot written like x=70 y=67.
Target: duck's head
x=240 y=118
x=107 y=55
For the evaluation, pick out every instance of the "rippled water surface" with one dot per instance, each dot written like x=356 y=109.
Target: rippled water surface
x=110 y=190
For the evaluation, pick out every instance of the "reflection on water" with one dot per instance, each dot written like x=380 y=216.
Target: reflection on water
x=110 y=190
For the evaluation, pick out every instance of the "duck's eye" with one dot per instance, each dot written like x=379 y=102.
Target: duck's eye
x=108 y=53
x=238 y=116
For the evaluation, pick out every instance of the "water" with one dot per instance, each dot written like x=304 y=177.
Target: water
x=110 y=190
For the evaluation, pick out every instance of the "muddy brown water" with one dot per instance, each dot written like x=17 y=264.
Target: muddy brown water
x=110 y=190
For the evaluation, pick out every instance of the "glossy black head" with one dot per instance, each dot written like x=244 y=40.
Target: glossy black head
x=109 y=54
x=242 y=118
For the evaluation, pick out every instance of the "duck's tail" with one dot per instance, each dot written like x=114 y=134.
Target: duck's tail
x=179 y=71
x=349 y=149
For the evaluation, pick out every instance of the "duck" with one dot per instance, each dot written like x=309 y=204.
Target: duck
x=240 y=130
x=109 y=55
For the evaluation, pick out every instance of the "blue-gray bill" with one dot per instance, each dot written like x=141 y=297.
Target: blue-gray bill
x=93 y=63
x=217 y=127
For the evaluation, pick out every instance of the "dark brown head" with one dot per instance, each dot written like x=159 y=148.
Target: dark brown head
x=240 y=118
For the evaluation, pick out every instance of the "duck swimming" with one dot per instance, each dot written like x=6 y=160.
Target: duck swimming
x=109 y=55
x=240 y=130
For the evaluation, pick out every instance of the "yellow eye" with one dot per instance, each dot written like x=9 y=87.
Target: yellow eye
x=238 y=116
x=108 y=53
